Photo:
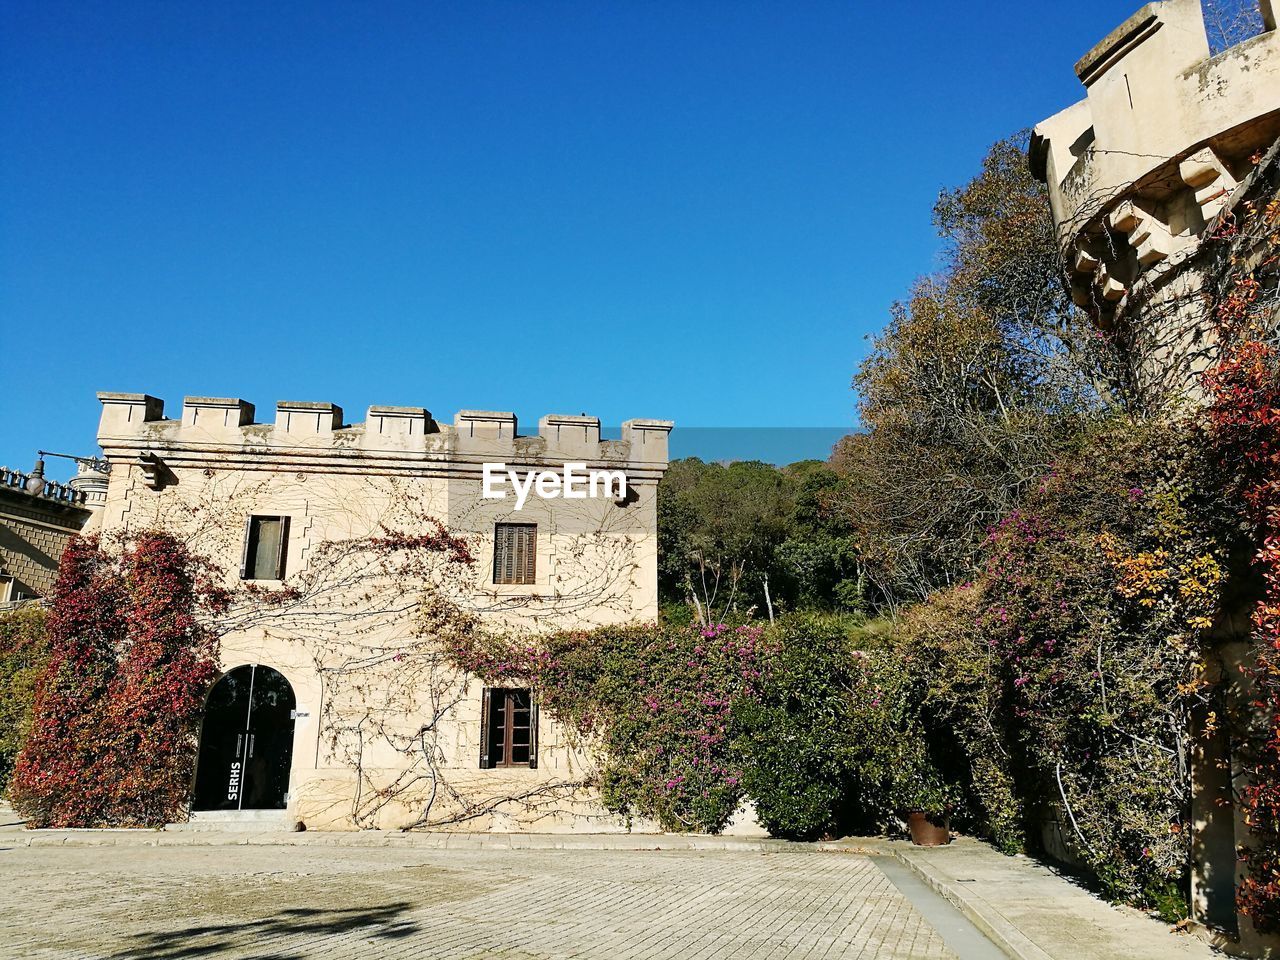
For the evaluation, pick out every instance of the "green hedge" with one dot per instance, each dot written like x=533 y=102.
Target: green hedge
x=24 y=654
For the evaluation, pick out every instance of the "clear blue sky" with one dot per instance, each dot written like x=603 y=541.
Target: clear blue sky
x=695 y=211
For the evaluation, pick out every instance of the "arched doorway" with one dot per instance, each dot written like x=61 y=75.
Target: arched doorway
x=246 y=742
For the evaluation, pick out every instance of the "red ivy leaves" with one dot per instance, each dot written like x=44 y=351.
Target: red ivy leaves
x=169 y=663
x=438 y=540
x=113 y=738
x=1244 y=424
x=58 y=778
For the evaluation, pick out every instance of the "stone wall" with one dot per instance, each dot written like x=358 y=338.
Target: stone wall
x=34 y=530
x=366 y=686
x=1138 y=170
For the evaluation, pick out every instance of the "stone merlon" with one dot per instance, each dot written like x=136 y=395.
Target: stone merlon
x=224 y=427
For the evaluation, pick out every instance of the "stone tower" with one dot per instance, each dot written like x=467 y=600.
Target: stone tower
x=1167 y=139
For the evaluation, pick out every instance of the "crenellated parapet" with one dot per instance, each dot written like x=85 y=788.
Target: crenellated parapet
x=1138 y=169
x=134 y=427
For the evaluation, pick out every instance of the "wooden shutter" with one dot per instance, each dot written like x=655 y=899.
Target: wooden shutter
x=527 y=554
x=515 y=553
x=509 y=541
x=501 y=552
x=244 y=554
x=282 y=549
x=533 y=731
x=486 y=699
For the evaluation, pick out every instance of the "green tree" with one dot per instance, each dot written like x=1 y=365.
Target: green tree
x=981 y=378
x=820 y=558
x=719 y=527
x=744 y=537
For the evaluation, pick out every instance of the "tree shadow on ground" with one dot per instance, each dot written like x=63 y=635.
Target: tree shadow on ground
x=286 y=935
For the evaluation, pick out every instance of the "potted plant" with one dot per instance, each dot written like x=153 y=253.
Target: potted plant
x=891 y=759
x=923 y=796
x=930 y=825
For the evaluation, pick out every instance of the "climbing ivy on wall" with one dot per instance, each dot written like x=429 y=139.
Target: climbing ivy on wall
x=113 y=730
x=1244 y=423
x=654 y=703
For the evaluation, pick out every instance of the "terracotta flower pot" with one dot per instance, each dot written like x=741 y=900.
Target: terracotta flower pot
x=927 y=831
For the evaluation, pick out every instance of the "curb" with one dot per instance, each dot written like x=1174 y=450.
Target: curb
x=384 y=839
x=995 y=927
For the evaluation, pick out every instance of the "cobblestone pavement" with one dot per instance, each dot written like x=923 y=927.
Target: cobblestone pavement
x=280 y=903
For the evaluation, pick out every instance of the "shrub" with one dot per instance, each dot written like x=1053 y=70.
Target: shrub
x=167 y=666
x=1097 y=596
x=895 y=768
x=683 y=722
x=1066 y=674
x=836 y=741
x=795 y=739
x=962 y=706
x=61 y=777
x=24 y=656
x=652 y=702
x=113 y=731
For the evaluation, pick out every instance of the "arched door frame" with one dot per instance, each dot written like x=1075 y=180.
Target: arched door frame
x=246 y=764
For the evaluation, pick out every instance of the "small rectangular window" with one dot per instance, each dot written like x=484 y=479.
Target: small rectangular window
x=266 y=543
x=509 y=729
x=515 y=550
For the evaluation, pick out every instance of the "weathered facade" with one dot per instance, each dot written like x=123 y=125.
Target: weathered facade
x=37 y=518
x=1167 y=147
x=362 y=723
x=1162 y=145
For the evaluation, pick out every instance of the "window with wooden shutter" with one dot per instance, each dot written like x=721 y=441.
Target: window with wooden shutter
x=508 y=729
x=266 y=545
x=515 y=553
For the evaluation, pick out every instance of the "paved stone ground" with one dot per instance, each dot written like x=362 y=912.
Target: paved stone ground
x=282 y=903
x=1036 y=914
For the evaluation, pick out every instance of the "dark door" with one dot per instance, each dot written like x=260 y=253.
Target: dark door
x=246 y=743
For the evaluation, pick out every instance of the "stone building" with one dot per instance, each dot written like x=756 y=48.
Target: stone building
x=37 y=518
x=1166 y=147
x=334 y=709
x=1165 y=141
